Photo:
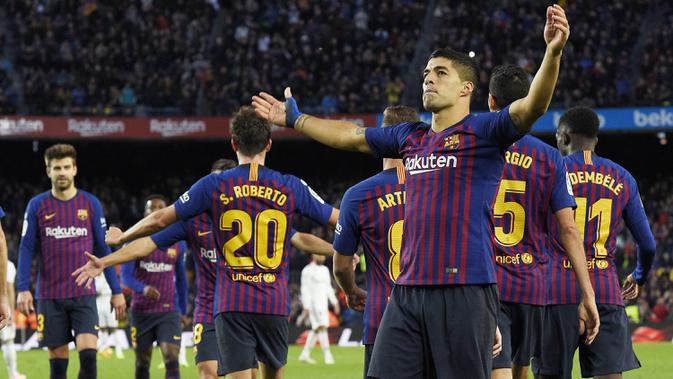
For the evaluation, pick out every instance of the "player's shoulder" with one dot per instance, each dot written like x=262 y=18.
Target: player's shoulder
x=89 y=196
x=38 y=199
x=613 y=165
x=531 y=142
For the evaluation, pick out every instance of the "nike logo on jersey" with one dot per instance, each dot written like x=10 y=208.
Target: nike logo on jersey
x=50 y=216
x=201 y=234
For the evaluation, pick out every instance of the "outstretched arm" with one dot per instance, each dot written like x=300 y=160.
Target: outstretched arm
x=341 y=135
x=524 y=112
x=151 y=224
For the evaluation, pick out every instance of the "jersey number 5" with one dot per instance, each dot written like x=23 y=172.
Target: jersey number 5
x=266 y=221
x=515 y=211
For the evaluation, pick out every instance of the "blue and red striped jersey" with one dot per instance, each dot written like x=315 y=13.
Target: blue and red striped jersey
x=534 y=185
x=605 y=193
x=252 y=208
x=451 y=181
x=61 y=232
x=198 y=233
x=372 y=213
x=163 y=269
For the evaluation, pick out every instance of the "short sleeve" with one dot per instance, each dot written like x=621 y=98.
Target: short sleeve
x=562 y=191
x=196 y=200
x=171 y=235
x=347 y=233
x=309 y=203
x=498 y=127
x=387 y=142
x=11 y=272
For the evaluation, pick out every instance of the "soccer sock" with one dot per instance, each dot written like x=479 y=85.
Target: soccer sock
x=58 y=368
x=10 y=357
x=323 y=337
x=172 y=370
x=182 y=356
x=87 y=364
x=116 y=339
x=310 y=342
x=142 y=372
x=103 y=339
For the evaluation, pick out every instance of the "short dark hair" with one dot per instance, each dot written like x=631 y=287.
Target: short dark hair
x=508 y=83
x=581 y=120
x=223 y=164
x=156 y=196
x=60 y=151
x=397 y=114
x=250 y=132
x=468 y=68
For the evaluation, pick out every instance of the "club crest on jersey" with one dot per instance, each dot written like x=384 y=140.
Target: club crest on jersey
x=82 y=214
x=452 y=142
x=172 y=253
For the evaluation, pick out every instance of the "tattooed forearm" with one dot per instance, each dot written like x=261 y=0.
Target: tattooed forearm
x=360 y=131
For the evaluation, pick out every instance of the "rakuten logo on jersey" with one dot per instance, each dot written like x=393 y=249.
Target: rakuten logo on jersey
x=210 y=255
x=419 y=165
x=95 y=128
x=59 y=232
x=174 y=128
x=156 y=267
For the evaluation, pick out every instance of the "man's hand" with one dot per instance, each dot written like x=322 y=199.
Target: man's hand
x=113 y=236
x=630 y=289
x=118 y=305
x=5 y=313
x=85 y=275
x=590 y=321
x=497 y=343
x=276 y=112
x=556 y=29
x=24 y=301
x=151 y=293
x=356 y=299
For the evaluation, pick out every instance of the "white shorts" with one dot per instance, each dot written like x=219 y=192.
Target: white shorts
x=8 y=334
x=319 y=317
x=106 y=317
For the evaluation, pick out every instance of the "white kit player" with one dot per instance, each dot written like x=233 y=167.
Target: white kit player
x=109 y=332
x=9 y=333
x=316 y=292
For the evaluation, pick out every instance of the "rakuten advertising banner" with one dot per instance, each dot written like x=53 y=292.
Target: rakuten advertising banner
x=139 y=128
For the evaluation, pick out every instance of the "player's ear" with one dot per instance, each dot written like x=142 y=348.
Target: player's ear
x=268 y=145
x=233 y=145
x=491 y=103
x=468 y=87
x=74 y=169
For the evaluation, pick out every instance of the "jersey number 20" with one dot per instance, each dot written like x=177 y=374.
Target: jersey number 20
x=267 y=220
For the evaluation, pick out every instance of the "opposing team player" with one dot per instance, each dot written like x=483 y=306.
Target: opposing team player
x=198 y=233
x=253 y=210
x=109 y=333
x=533 y=187
x=60 y=225
x=316 y=292
x=155 y=279
x=453 y=169
x=372 y=213
x=605 y=193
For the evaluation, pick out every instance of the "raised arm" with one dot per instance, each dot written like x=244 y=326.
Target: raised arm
x=341 y=135
x=524 y=112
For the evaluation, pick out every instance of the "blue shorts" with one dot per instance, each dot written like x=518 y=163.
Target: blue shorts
x=205 y=342
x=58 y=318
x=437 y=332
x=160 y=327
x=521 y=327
x=610 y=353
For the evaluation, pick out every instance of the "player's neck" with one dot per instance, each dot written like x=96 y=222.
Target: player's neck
x=582 y=146
x=389 y=163
x=244 y=159
x=65 y=194
x=448 y=117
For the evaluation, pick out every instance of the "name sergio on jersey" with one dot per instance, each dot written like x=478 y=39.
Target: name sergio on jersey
x=418 y=165
x=518 y=159
x=156 y=267
x=60 y=232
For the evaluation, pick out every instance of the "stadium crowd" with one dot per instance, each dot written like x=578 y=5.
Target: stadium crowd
x=136 y=57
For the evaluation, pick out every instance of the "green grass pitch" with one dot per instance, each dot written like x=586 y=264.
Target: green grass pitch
x=656 y=360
